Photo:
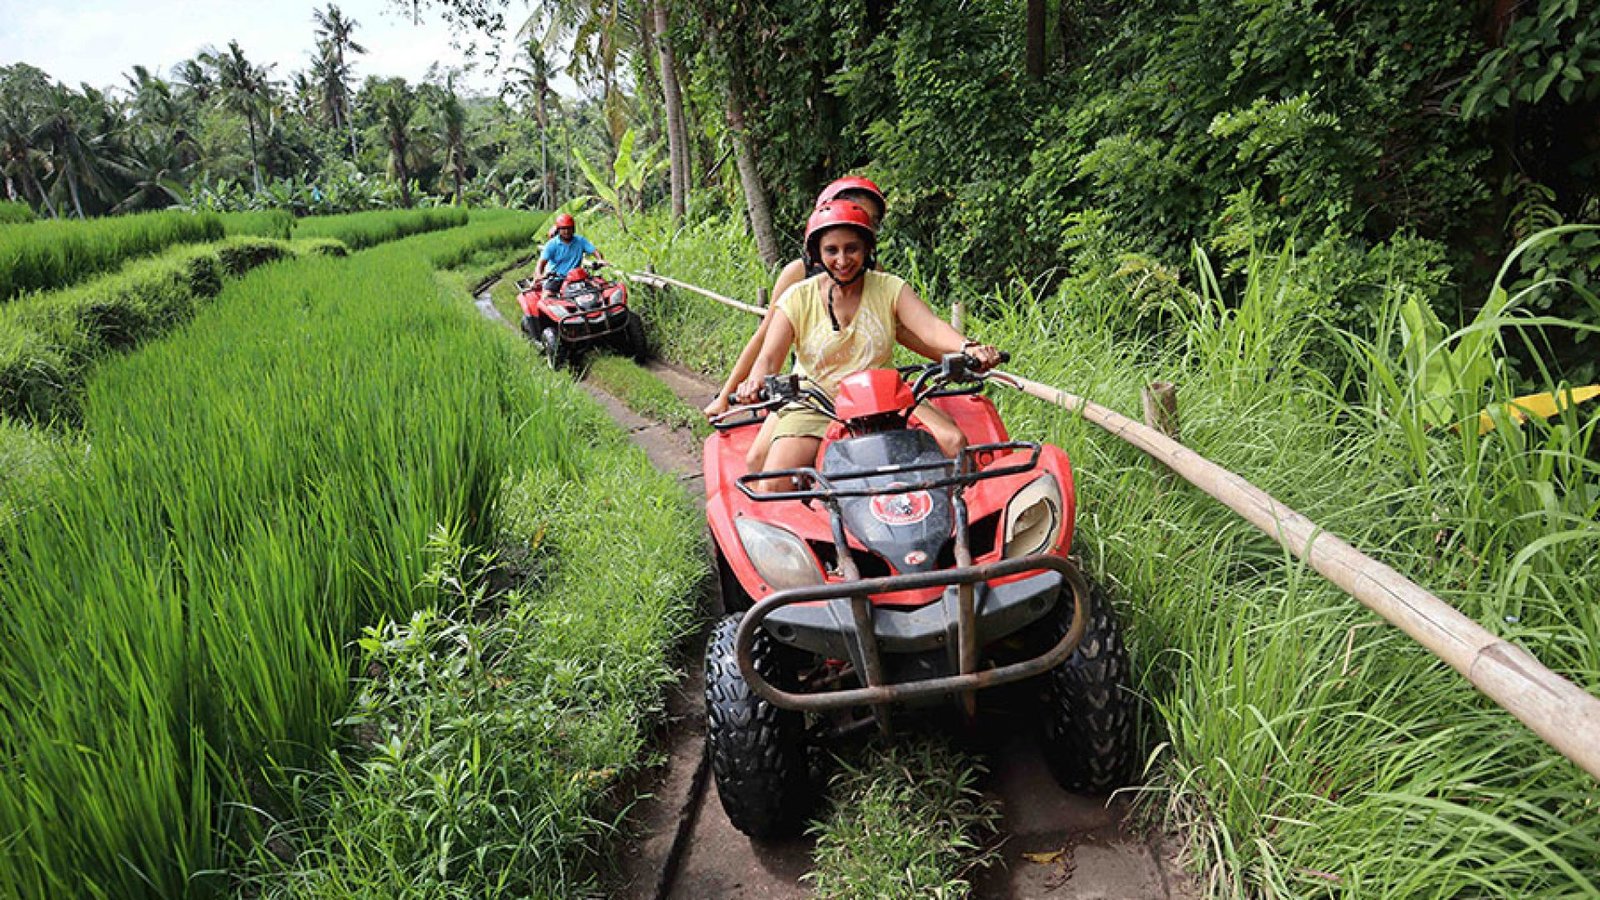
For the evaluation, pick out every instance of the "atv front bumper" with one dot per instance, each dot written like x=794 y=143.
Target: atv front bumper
x=593 y=324
x=971 y=614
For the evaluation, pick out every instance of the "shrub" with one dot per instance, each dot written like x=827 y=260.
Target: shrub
x=15 y=213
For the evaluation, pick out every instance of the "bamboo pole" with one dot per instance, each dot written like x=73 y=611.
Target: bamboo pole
x=655 y=280
x=1563 y=714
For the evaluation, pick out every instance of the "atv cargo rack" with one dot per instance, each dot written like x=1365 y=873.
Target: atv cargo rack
x=862 y=632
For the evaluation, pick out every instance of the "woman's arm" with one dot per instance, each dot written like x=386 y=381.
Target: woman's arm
x=780 y=337
x=791 y=275
x=918 y=328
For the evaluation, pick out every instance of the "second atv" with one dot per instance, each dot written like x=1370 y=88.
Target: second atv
x=581 y=311
x=889 y=575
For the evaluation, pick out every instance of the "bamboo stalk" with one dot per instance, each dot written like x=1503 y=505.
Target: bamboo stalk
x=1564 y=715
x=655 y=280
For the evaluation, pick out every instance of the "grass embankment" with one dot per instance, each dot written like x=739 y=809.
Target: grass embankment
x=49 y=340
x=42 y=256
x=1304 y=746
x=265 y=482
x=365 y=229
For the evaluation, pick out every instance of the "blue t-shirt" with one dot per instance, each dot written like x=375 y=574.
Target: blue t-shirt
x=562 y=257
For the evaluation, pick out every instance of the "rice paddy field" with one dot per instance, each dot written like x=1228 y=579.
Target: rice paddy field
x=1304 y=747
x=305 y=601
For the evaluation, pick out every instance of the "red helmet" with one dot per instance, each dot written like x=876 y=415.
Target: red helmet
x=565 y=221
x=835 y=213
x=851 y=183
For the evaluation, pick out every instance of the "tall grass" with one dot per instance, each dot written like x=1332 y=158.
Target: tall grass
x=48 y=255
x=176 y=617
x=503 y=730
x=366 y=229
x=1303 y=746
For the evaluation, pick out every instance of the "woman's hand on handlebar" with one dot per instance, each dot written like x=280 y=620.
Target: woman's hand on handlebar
x=985 y=356
x=749 y=391
x=717 y=406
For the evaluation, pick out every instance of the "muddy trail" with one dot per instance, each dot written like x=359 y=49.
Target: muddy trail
x=1052 y=844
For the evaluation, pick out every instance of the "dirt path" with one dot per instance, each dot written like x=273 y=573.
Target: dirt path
x=1077 y=847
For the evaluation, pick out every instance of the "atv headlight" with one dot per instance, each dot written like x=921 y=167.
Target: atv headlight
x=1033 y=518
x=781 y=559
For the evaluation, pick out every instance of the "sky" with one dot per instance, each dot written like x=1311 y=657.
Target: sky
x=97 y=41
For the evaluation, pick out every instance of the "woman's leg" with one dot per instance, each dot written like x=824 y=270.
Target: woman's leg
x=791 y=451
x=944 y=429
x=756 y=457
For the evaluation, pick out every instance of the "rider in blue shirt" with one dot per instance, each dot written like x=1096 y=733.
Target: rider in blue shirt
x=563 y=253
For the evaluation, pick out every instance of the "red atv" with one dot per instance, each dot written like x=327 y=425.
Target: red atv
x=580 y=311
x=890 y=574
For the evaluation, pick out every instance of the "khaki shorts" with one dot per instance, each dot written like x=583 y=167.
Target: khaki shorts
x=800 y=421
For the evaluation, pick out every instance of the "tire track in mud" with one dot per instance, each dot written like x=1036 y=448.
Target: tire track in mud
x=1052 y=844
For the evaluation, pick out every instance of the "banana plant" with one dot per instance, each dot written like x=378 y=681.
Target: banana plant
x=629 y=172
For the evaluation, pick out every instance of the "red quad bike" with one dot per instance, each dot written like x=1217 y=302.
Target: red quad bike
x=890 y=574
x=583 y=311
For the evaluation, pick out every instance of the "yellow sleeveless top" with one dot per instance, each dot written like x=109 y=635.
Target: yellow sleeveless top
x=826 y=356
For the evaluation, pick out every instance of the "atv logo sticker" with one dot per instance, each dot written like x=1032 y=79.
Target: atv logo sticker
x=901 y=509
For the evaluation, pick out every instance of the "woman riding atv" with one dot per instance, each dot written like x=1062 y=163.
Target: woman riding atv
x=842 y=321
x=851 y=187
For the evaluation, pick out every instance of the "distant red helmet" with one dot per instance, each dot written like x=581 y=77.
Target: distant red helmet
x=837 y=213
x=871 y=393
x=565 y=221
x=851 y=183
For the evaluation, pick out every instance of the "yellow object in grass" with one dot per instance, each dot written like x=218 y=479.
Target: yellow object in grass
x=1542 y=405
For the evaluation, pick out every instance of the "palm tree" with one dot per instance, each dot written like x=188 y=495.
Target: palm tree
x=336 y=44
x=677 y=133
x=194 y=77
x=534 y=84
x=244 y=88
x=452 y=132
x=23 y=89
x=77 y=142
x=397 y=103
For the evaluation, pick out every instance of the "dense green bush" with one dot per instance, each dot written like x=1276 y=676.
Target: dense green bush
x=54 y=254
x=13 y=212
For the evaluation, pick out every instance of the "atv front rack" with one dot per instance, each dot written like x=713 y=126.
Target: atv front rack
x=878 y=692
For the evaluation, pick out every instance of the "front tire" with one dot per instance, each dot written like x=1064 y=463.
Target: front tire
x=1089 y=741
x=555 y=353
x=634 y=340
x=530 y=327
x=757 y=750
